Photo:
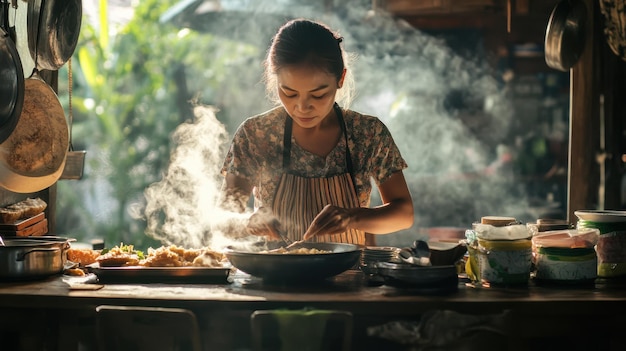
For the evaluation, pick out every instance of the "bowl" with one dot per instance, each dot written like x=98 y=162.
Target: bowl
x=446 y=253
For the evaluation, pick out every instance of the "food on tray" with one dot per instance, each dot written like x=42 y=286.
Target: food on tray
x=82 y=256
x=209 y=258
x=23 y=209
x=164 y=256
x=297 y=251
x=122 y=255
x=176 y=256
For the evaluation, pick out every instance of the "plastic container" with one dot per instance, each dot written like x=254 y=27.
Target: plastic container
x=499 y=262
x=566 y=265
x=611 y=247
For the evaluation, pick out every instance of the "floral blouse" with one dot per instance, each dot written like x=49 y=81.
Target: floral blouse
x=256 y=154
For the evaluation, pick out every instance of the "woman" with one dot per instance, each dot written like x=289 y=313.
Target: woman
x=308 y=162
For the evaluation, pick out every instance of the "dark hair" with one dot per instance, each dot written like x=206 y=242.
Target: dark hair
x=304 y=42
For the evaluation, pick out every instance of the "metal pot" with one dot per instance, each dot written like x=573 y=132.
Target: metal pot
x=32 y=257
x=295 y=267
x=12 y=82
x=566 y=34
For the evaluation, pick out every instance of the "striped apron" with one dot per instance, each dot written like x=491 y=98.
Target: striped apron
x=299 y=199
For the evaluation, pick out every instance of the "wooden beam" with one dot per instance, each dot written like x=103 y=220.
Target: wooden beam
x=583 y=178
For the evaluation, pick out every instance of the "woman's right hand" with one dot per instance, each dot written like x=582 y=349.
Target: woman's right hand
x=263 y=223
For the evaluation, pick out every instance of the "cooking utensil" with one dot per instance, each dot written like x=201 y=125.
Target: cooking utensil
x=12 y=82
x=418 y=254
x=33 y=156
x=446 y=253
x=295 y=267
x=281 y=232
x=18 y=19
x=32 y=258
x=75 y=160
x=566 y=34
x=412 y=276
x=54 y=26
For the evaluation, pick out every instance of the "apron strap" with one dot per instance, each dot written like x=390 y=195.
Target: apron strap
x=287 y=143
x=342 y=124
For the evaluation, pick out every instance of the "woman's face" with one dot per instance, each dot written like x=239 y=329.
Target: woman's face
x=307 y=93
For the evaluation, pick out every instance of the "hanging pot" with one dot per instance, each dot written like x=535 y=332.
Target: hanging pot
x=12 y=82
x=53 y=27
x=566 y=34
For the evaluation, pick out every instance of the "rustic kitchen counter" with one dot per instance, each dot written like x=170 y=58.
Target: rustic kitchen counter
x=539 y=314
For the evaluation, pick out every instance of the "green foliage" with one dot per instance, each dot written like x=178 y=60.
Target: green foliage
x=128 y=96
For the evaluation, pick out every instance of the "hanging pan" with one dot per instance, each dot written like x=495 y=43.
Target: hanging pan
x=566 y=34
x=33 y=156
x=53 y=27
x=18 y=19
x=12 y=78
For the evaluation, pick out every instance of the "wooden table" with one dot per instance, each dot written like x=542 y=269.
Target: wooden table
x=591 y=315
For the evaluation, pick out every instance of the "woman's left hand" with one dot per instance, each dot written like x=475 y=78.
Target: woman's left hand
x=331 y=220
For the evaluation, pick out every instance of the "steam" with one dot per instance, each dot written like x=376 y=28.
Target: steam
x=182 y=208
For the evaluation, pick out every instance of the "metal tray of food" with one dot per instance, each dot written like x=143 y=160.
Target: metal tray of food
x=155 y=275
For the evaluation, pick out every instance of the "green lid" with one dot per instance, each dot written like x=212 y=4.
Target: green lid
x=603 y=227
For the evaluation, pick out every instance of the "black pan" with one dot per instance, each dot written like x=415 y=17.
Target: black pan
x=295 y=267
x=12 y=82
x=411 y=276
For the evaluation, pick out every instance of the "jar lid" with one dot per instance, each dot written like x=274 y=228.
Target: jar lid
x=498 y=221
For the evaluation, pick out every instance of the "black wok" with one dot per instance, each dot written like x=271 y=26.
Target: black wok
x=295 y=267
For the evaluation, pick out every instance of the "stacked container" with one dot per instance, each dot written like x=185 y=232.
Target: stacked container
x=566 y=256
x=500 y=252
x=611 y=246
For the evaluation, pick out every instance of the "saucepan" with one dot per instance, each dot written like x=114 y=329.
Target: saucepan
x=27 y=258
x=259 y=261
